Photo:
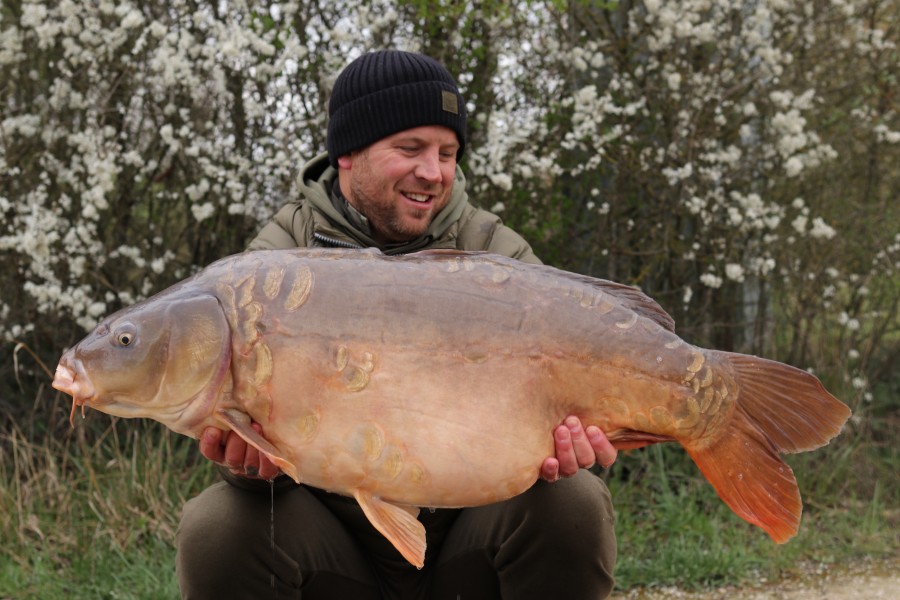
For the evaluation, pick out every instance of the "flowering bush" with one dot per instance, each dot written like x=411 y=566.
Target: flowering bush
x=737 y=160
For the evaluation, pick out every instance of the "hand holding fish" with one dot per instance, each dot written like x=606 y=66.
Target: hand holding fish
x=232 y=452
x=577 y=447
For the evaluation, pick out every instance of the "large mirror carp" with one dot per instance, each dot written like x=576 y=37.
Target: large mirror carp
x=435 y=379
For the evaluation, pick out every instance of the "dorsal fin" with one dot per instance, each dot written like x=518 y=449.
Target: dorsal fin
x=637 y=301
x=630 y=297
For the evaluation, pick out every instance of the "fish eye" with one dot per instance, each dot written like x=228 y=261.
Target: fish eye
x=125 y=335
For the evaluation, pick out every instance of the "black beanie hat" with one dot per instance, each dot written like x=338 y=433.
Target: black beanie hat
x=381 y=93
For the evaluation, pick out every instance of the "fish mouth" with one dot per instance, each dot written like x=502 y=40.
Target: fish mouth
x=67 y=381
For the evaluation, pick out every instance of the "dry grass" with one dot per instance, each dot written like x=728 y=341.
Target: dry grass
x=72 y=505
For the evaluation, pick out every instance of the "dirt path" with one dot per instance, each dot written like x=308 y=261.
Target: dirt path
x=870 y=582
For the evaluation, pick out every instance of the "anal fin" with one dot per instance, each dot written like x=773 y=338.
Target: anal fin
x=240 y=423
x=397 y=523
x=629 y=439
x=751 y=479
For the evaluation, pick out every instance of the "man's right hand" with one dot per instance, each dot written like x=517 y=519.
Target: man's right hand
x=231 y=451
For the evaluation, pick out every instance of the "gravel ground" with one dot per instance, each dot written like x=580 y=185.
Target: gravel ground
x=872 y=581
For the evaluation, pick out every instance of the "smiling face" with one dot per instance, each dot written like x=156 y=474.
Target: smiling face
x=401 y=182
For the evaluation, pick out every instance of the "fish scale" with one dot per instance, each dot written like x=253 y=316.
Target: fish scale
x=436 y=379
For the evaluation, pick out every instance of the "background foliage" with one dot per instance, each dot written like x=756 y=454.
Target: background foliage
x=736 y=159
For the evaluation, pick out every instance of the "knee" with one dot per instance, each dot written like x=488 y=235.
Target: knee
x=589 y=499
x=581 y=502
x=213 y=525
x=580 y=524
x=556 y=538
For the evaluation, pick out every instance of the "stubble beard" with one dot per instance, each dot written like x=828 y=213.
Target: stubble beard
x=385 y=218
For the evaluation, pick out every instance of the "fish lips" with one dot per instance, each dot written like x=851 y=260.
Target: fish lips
x=70 y=379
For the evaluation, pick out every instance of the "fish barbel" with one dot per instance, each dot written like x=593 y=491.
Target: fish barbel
x=436 y=379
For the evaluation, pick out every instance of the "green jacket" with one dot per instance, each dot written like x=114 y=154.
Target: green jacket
x=313 y=221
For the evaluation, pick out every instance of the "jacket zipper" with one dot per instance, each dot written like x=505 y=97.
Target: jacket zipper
x=329 y=241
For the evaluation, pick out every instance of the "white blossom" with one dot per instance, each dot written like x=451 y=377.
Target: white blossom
x=821 y=230
x=793 y=166
x=203 y=211
x=674 y=80
x=734 y=272
x=711 y=280
x=502 y=180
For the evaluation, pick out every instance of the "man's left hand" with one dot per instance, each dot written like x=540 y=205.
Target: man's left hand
x=577 y=447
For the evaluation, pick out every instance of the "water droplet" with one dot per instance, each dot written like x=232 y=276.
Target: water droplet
x=272 y=530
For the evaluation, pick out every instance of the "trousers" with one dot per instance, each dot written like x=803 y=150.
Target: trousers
x=556 y=540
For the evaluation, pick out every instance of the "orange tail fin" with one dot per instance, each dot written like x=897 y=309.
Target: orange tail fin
x=780 y=409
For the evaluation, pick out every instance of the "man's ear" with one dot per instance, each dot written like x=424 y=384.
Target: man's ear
x=345 y=161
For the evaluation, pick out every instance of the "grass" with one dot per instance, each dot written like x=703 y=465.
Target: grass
x=93 y=515
x=673 y=529
x=103 y=572
x=92 y=512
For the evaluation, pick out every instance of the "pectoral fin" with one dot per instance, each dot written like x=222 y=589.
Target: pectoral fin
x=240 y=423
x=398 y=524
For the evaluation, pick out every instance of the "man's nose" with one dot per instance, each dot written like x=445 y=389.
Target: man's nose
x=429 y=166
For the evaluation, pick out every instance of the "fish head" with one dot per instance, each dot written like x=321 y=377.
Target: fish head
x=165 y=358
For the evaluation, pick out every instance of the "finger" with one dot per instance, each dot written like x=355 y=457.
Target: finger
x=603 y=449
x=584 y=452
x=211 y=444
x=267 y=469
x=550 y=469
x=251 y=461
x=565 y=454
x=235 y=449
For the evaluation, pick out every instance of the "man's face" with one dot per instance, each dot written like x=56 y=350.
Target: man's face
x=402 y=181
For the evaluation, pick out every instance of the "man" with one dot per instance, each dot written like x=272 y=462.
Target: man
x=397 y=127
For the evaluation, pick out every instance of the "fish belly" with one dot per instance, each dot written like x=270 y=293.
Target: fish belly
x=438 y=431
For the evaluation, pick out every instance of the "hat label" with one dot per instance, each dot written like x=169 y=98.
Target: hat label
x=449 y=102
